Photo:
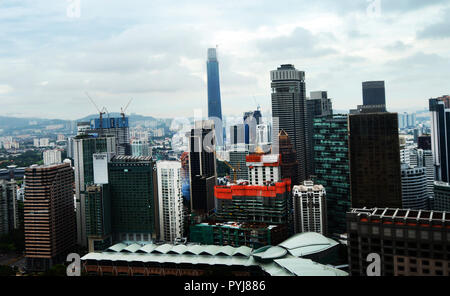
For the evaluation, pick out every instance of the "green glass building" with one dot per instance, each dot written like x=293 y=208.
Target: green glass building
x=98 y=217
x=332 y=168
x=133 y=198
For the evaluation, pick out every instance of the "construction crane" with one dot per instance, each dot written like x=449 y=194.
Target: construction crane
x=234 y=170
x=101 y=112
x=122 y=110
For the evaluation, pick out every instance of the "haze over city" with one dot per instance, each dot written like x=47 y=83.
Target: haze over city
x=156 y=52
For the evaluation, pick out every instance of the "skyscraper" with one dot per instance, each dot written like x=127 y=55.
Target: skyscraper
x=214 y=100
x=440 y=140
x=332 y=168
x=374 y=94
x=414 y=188
x=289 y=108
x=49 y=216
x=84 y=147
x=375 y=160
x=117 y=127
x=316 y=106
x=288 y=163
x=202 y=166
x=310 y=209
x=9 y=211
x=134 y=207
x=170 y=200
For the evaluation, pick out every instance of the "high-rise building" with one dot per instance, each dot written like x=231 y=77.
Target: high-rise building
x=440 y=142
x=375 y=160
x=134 y=205
x=253 y=203
x=441 y=201
x=288 y=162
x=425 y=160
x=374 y=94
x=310 y=211
x=251 y=120
x=237 y=134
x=214 y=100
x=140 y=148
x=9 y=210
x=84 y=148
x=170 y=200
x=332 y=168
x=424 y=142
x=263 y=168
x=409 y=242
x=117 y=127
x=202 y=166
x=414 y=188
x=238 y=155
x=317 y=105
x=52 y=157
x=289 y=111
x=49 y=215
x=98 y=217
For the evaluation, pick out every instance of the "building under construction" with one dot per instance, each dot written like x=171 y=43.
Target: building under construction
x=253 y=203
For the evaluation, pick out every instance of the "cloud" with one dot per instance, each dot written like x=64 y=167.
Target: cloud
x=438 y=30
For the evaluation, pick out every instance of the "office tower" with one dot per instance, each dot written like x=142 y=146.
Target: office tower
x=374 y=94
x=318 y=105
x=238 y=161
x=332 y=168
x=403 y=120
x=440 y=124
x=237 y=134
x=253 y=203
x=84 y=147
x=263 y=136
x=214 y=101
x=98 y=217
x=132 y=185
x=9 y=211
x=202 y=166
x=409 y=242
x=170 y=200
x=425 y=160
x=310 y=211
x=374 y=160
x=288 y=162
x=289 y=109
x=251 y=120
x=49 y=215
x=140 y=148
x=117 y=127
x=424 y=142
x=446 y=100
x=52 y=157
x=414 y=188
x=263 y=168
x=441 y=200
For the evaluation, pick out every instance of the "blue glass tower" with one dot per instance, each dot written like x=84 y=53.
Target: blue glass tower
x=214 y=103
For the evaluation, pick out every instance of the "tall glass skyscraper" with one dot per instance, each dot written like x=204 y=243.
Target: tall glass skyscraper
x=214 y=102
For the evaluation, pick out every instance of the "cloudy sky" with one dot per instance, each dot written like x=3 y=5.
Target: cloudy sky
x=155 y=52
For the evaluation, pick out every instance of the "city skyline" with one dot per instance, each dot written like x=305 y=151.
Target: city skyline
x=51 y=57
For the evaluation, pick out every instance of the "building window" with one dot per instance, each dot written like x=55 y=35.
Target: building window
x=411 y=234
x=399 y=233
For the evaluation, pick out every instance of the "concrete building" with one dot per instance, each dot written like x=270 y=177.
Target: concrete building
x=414 y=188
x=49 y=215
x=263 y=168
x=52 y=157
x=238 y=154
x=310 y=208
x=409 y=242
x=373 y=93
x=441 y=201
x=170 y=200
x=140 y=148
